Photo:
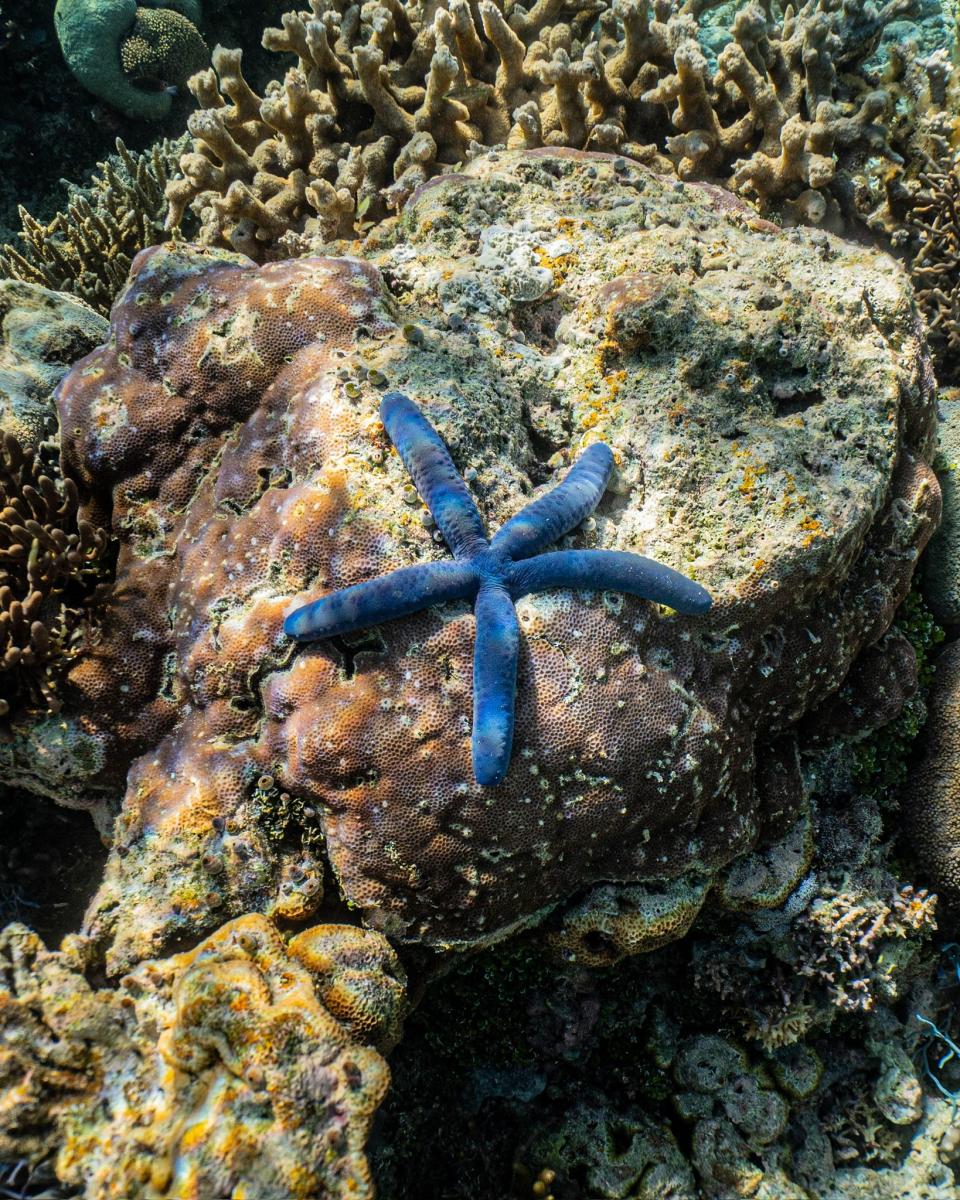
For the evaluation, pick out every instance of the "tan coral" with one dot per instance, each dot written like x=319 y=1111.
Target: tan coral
x=615 y=922
x=217 y=1072
x=383 y=99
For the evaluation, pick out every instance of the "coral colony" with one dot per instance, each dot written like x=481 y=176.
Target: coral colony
x=493 y=574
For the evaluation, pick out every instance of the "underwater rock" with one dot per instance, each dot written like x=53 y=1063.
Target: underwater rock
x=941 y=575
x=768 y=402
x=42 y=333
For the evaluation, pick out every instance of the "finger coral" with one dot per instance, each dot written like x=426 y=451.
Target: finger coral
x=217 y=1072
x=769 y=417
x=382 y=99
x=934 y=217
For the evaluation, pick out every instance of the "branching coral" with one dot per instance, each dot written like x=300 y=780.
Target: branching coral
x=49 y=561
x=87 y=248
x=934 y=217
x=385 y=97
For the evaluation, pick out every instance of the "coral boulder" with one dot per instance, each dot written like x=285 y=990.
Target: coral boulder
x=769 y=405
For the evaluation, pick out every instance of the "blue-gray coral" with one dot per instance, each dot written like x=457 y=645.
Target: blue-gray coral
x=493 y=574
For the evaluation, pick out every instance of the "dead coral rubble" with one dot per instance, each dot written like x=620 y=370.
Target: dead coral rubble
x=210 y=1073
x=384 y=97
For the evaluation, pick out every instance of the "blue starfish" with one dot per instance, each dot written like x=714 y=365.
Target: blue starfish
x=493 y=574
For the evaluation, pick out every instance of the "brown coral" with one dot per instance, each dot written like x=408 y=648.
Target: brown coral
x=383 y=98
x=50 y=560
x=211 y=1073
x=931 y=802
x=229 y=432
x=934 y=217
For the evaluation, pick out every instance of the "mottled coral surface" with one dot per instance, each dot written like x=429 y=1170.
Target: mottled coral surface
x=770 y=409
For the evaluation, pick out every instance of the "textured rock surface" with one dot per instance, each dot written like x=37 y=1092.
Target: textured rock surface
x=213 y=1073
x=770 y=409
x=41 y=334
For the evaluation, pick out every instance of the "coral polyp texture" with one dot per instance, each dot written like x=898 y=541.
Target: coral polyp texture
x=492 y=574
x=769 y=407
x=384 y=97
x=130 y=56
x=217 y=1072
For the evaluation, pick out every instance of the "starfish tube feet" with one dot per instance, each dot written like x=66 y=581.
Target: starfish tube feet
x=495 y=656
x=432 y=470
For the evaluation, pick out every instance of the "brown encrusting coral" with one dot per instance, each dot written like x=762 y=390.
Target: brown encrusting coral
x=218 y=1072
x=385 y=97
x=50 y=561
x=931 y=802
x=87 y=248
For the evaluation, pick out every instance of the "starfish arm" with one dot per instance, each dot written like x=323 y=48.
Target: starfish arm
x=496 y=653
x=405 y=591
x=609 y=570
x=541 y=523
x=431 y=468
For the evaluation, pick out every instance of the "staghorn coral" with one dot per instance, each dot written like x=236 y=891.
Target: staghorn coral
x=87 y=248
x=229 y=433
x=385 y=98
x=493 y=574
x=50 y=560
x=215 y=1072
x=113 y=47
x=934 y=219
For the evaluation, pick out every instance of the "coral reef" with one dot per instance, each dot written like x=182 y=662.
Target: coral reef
x=383 y=99
x=42 y=333
x=492 y=574
x=210 y=1073
x=767 y=443
x=931 y=804
x=162 y=48
x=114 y=47
x=87 y=248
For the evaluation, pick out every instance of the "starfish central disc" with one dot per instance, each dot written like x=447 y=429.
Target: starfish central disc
x=493 y=574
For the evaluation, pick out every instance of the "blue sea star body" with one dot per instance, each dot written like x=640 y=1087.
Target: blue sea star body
x=492 y=573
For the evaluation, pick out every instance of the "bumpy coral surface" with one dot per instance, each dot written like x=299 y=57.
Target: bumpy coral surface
x=768 y=403
x=386 y=96
x=217 y=1072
